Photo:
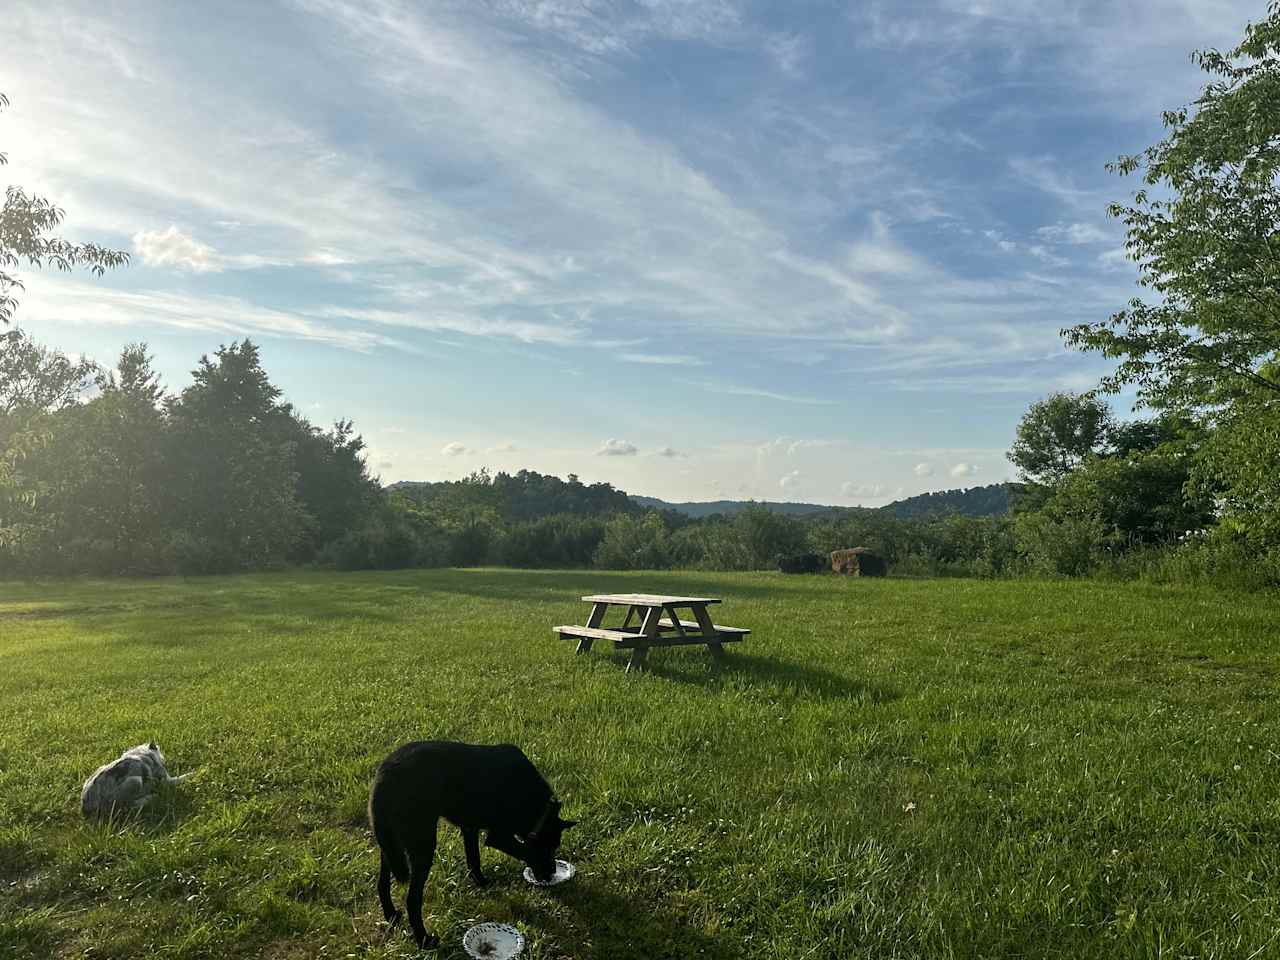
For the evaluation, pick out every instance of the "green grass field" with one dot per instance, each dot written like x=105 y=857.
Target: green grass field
x=895 y=768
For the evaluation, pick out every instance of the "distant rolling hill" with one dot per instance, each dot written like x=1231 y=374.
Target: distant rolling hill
x=987 y=501
x=707 y=508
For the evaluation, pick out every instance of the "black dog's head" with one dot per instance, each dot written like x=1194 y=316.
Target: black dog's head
x=544 y=841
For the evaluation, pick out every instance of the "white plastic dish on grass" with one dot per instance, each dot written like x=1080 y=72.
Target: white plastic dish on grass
x=493 y=941
x=564 y=870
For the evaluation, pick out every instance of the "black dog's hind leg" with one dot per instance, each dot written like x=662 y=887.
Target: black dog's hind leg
x=471 y=843
x=384 y=892
x=420 y=858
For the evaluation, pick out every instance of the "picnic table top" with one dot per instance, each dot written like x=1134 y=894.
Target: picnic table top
x=648 y=599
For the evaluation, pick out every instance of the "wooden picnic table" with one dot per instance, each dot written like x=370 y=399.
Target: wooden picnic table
x=656 y=624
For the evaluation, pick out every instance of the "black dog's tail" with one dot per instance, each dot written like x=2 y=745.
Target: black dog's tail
x=392 y=852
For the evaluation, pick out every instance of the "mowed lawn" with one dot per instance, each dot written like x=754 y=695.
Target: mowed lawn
x=894 y=768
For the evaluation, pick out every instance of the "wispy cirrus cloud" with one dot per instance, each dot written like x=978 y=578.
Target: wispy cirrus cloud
x=737 y=390
x=664 y=359
x=1077 y=234
x=76 y=302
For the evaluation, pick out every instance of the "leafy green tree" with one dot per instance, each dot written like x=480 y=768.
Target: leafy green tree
x=1204 y=230
x=232 y=467
x=635 y=543
x=1057 y=433
x=25 y=222
x=134 y=377
x=766 y=535
x=35 y=383
x=88 y=497
x=334 y=487
x=1239 y=464
x=33 y=377
x=1139 y=499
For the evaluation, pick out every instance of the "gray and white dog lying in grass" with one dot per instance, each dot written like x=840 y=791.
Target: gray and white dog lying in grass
x=126 y=781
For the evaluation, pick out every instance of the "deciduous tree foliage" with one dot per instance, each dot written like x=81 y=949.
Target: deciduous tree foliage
x=26 y=222
x=34 y=378
x=1057 y=433
x=1205 y=233
x=224 y=476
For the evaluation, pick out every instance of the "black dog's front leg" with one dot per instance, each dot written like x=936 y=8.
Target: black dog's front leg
x=508 y=844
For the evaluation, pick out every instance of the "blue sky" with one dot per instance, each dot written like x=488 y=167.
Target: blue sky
x=808 y=250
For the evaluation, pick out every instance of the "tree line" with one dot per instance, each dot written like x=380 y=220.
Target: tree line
x=223 y=476
x=104 y=471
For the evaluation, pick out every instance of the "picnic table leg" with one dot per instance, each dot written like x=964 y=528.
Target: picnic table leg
x=674 y=617
x=708 y=630
x=649 y=628
x=593 y=621
x=638 y=655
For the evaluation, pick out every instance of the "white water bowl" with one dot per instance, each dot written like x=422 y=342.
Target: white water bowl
x=564 y=870
x=493 y=941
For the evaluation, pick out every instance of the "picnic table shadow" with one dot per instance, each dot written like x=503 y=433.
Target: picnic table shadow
x=592 y=921
x=807 y=679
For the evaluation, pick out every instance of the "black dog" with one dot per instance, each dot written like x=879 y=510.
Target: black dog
x=492 y=788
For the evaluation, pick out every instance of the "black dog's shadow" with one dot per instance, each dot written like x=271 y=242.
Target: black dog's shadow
x=586 y=919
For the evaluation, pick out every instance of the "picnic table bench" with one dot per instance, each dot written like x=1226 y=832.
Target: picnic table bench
x=656 y=625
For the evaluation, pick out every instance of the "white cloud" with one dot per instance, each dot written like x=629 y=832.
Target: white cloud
x=1042 y=253
x=502 y=448
x=859 y=491
x=665 y=360
x=173 y=248
x=68 y=300
x=616 y=448
x=963 y=470
x=1007 y=246
x=470 y=324
x=669 y=452
x=1116 y=260
x=733 y=390
x=1076 y=234
x=879 y=253
x=788 y=51
x=789 y=446
x=790 y=481
x=454 y=449
x=1045 y=173
x=923 y=470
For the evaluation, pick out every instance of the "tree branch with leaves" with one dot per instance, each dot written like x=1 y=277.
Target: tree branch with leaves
x=1205 y=233
x=25 y=224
